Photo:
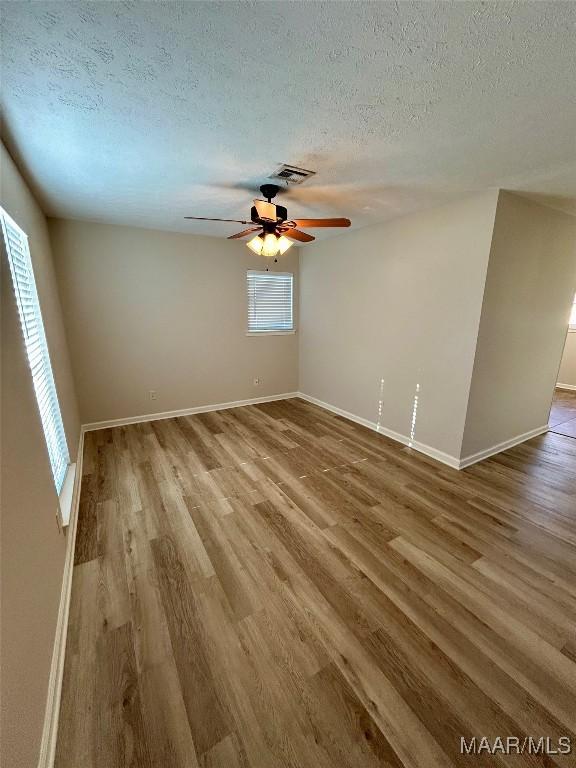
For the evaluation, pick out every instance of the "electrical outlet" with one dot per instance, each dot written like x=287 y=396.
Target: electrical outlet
x=257 y=381
x=153 y=394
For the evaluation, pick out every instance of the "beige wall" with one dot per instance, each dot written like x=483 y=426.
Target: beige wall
x=150 y=310
x=390 y=307
x=529 y=289
x=32 y=547
x=567 y=372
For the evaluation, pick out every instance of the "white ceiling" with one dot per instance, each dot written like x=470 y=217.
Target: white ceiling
x=143 y=112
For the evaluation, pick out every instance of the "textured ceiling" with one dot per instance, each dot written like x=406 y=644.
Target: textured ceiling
x=142 y=112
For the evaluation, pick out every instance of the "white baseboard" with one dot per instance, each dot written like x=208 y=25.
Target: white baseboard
x=434 y=453
x=475 y=457
x=52 y=711
x=184 y=412
x=565 y=386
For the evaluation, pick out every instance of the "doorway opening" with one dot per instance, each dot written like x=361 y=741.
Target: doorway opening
x=562 y=418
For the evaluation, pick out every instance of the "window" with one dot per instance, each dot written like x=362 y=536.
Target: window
x=572 y=320
x=36 y=348
x=270 y=302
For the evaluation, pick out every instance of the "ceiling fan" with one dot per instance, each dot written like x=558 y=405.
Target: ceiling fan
x=275 y=230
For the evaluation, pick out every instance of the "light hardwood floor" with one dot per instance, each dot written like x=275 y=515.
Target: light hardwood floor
x=276 y=586
x=563 y=413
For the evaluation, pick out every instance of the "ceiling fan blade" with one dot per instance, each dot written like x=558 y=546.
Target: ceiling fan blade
x=322 y=222
x=203 y=218
x=265 y=210
x=243 y=233
x=295 y=234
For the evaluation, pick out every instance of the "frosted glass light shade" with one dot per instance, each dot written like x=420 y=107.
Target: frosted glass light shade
x=270 y=247
x=256 y=244
x=284 y=244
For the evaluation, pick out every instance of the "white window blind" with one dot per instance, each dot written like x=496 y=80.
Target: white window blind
x=269 y=301
x=36 y=348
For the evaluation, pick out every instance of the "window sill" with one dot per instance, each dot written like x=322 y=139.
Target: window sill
x=271 y=333
x=66 y=495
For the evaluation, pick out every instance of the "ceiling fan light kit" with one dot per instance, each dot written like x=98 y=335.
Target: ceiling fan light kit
x=275 y=230
x=270 y=245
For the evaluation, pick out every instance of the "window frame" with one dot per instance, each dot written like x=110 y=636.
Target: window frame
x=37 y=352
x=270 y=331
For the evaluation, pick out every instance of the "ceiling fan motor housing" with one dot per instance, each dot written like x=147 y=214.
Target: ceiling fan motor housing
x=281 y=215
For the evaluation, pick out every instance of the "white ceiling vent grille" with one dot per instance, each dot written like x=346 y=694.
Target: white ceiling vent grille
x=291 y=174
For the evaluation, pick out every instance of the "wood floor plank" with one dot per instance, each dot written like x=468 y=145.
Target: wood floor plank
x=206 y=714
x=121 y=737
x=274 y=586
x=346 y=726
x=113 y=597
x=228 y=753
x=87 y=528
x=163 y=708
x=77 y=729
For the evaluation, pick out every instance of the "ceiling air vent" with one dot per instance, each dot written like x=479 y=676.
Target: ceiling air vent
x=291 y=174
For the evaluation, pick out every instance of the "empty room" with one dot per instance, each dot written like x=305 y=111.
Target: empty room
x=288 y=384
